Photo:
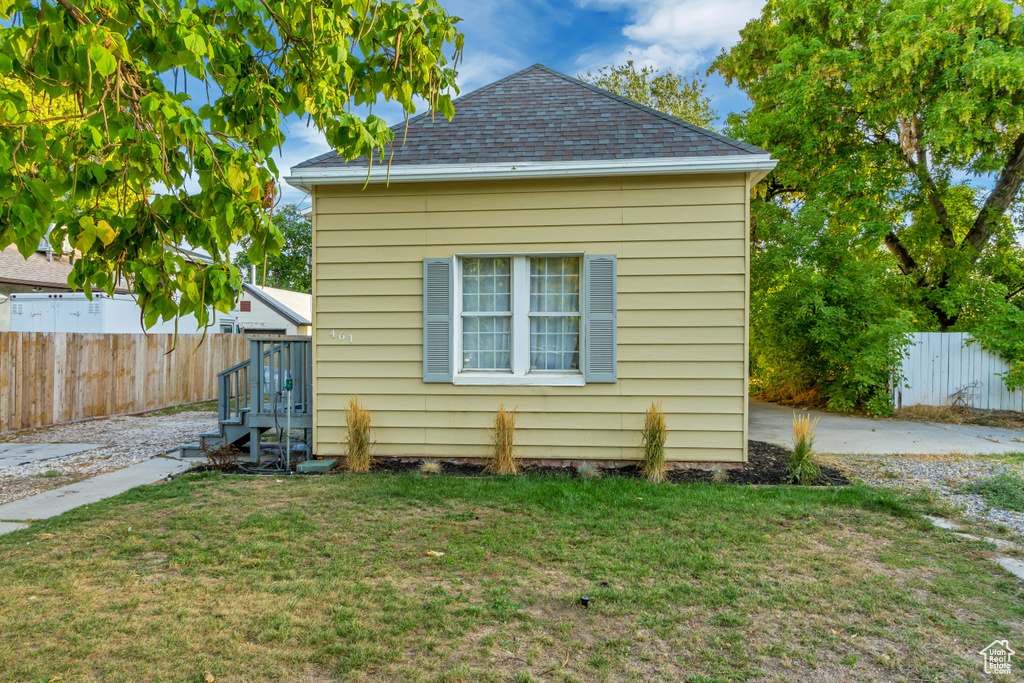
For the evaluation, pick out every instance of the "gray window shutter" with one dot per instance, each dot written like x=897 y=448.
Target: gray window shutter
x=438 y=312
x=602 y=304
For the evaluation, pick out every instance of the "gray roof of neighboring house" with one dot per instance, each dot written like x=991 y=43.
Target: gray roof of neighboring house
x=296 y=307
x=38 y=270
x=539 y=115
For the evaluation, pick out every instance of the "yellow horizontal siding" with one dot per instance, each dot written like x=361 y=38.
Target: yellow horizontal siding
x=542 y=236
x=555 y=201
x=681 y=245
x=378 y=195
x=428 y=449
x=679 y=370
x=661 y=301
x=663 y=353
x=683 y=249
x=456 y=401
x=559 y=437
x=340 y=284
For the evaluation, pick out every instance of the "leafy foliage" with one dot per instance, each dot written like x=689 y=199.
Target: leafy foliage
x=98 y=135
x=666 y=91
x=879 y=113
x=825 y=314
x=291 y=267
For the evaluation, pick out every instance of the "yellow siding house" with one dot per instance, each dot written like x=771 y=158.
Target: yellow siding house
x=555 y=248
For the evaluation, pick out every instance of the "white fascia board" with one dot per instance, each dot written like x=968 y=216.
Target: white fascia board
x=305 y=178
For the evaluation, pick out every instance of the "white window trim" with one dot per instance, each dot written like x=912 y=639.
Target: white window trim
x=521 y=374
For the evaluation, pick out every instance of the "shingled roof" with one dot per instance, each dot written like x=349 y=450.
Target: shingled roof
x=538 y=115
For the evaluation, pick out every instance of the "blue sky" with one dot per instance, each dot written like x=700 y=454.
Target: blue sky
x=574 y=36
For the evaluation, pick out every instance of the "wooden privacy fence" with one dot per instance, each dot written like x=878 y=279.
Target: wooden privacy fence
x=53 y=377
x=942 y=368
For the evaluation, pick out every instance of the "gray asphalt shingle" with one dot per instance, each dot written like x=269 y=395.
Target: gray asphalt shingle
x=538 y=115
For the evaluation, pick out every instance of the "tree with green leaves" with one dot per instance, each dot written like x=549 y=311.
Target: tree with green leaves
x=111 y=172
x=899 y=130
x=665 y=91
x=291 y=267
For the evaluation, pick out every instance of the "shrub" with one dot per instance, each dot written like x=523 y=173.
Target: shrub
x=801 y=468
x=654 y=435
x=503 y=459
x=1003 y=491
x=827 y=323
x=223 y=458
x=358 y=419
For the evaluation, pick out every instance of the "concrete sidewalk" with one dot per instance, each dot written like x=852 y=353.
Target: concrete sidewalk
x=846 y=434
x=12 y=454
x=57 y=501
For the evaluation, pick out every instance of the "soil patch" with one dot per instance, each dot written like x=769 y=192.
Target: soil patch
x=766 y=466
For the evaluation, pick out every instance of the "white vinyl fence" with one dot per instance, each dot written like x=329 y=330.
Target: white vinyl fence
x=942 y=368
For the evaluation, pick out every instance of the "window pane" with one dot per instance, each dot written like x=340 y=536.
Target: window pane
x=554 y=285
x=486 y=285
x=554 y=343
x=486 y=342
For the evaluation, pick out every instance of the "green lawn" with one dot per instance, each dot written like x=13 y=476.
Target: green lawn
x=328 y=578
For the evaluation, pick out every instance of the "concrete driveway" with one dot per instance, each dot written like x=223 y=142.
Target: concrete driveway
x=845 y=434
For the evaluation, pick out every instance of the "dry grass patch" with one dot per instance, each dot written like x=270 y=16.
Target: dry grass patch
x=961 y=415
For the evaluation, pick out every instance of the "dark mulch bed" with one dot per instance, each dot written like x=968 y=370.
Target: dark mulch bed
x=766 y=466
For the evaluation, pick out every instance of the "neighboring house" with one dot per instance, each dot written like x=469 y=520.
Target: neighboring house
x=104 y=314
x=38 y=299
x=554 y=248
x=267 y=310
x=42 y=272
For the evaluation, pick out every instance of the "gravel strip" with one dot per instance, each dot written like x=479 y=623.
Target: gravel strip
x=943 y=477
x=130 y=440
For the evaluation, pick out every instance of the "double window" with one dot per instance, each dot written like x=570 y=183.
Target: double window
x=519 y=316
x=535 y=319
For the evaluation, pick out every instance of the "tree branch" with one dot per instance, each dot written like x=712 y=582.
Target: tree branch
x=1003 y=195
x=912 y=149
x=905 y=261
x=75 y=13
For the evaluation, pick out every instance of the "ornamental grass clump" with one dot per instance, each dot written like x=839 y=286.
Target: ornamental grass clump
x=431 y=467
x=358 y=419
x=654 y=434
x=503 y=459
x=801 y=468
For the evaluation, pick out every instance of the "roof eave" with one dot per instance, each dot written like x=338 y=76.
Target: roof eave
x=285 y=312
x=306 y=178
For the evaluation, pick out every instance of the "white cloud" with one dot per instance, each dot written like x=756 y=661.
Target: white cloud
x=678 y=34
x=481 y=68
